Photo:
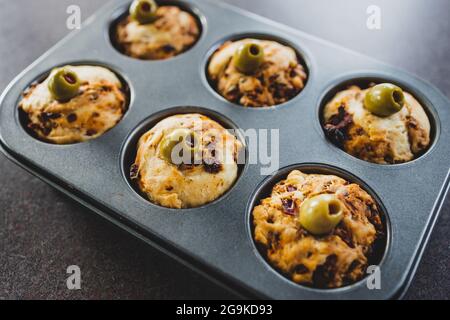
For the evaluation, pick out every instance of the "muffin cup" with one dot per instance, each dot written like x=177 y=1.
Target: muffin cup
x=123 y=12
x=129 y=149
x=264 y=190
x=364 y=80
x=126 y=90
x=302 y=57
x=215 y=239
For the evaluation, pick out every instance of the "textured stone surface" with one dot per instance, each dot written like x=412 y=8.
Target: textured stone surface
x=42 y=232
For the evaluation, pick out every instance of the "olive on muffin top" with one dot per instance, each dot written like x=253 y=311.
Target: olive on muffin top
x=74 y=104
x=186 y=161
x=318 y=230
x=381 y=124
x=256 y=73
x=151 y=32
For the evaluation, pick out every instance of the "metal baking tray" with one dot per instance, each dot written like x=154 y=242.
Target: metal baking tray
x=216 y=239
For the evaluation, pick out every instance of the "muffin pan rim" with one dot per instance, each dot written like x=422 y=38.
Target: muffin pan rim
x=318 y=168
x=352 y=78
x=127 y=149
x=402 y=273
x=304 y=57
x=121 y=12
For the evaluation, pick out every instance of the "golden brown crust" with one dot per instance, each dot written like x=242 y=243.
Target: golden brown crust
x=384 y=140
x=329 y=261
x=279 y=79
x=187 y=186
x=98 y=107
x=172 y=33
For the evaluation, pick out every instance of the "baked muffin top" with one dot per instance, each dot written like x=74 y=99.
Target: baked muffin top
x=192 y=183
x=279 y=78
x=331 y=259
x=97 y=106
x=172 y=32
x=396 y=138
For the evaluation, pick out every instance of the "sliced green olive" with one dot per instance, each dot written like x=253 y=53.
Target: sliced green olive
x=320 y=214
x=384 y=99
x=143 y=11
x=64 y=84
x=180 y=146
x=249 y=57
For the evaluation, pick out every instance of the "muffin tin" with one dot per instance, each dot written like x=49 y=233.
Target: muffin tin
x=216 y=239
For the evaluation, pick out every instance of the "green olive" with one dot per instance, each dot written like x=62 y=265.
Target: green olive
x=64 y=84
x=248 y=58
x=180 y=146
x=320 y=214
x=384 y=99
x=143 y=11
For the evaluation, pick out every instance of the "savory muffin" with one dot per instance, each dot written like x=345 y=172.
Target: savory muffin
x=318 y=230
x=186 y=161
x=151 y=32
x=381 y=124
x=74 y=104
x=256 y=73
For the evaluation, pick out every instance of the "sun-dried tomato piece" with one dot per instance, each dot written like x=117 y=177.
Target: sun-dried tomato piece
x=212 y=165
x=288 y=206
x=336 y=128
x=290 y=188
x=134 y=172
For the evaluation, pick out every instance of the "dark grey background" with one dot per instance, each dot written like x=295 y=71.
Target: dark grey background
x=42 y=232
